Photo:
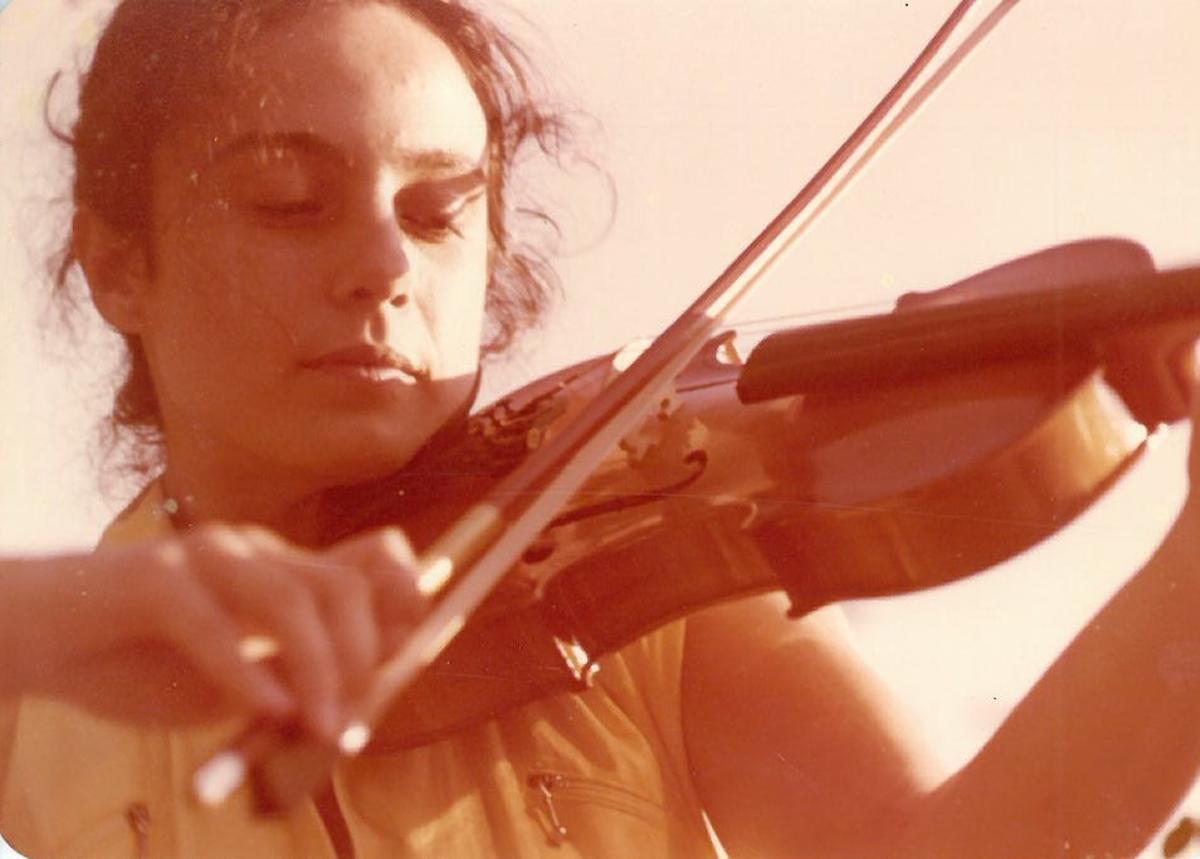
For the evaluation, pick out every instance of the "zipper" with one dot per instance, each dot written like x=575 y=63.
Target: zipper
x=545 y=784
x=552 y=788
x=137 y=815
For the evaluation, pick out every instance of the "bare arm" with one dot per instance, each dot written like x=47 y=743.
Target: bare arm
x=796 y=747
x=151 y=631
x=1090 y=763
x=1095 y=757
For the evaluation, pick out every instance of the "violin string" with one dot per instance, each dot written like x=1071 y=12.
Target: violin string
x=832 y=313
x=489 y=537
x=464 y=564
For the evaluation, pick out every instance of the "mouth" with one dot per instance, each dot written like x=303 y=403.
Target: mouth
x=373 y=364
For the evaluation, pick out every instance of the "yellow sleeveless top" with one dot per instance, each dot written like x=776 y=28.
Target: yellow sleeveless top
x=599 y=774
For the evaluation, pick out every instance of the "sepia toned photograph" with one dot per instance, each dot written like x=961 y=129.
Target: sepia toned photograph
x=549 y=428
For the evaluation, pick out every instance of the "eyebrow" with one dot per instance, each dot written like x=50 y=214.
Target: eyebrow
x=304 y=141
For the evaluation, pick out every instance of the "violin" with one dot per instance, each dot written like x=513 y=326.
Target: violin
x=867 y=457
x=862 y=458
x=737 y=482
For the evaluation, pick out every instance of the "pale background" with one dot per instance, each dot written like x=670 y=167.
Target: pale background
x=1077 y=118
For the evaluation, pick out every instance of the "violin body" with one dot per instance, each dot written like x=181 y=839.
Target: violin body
x=847 y=471
x=827 y=496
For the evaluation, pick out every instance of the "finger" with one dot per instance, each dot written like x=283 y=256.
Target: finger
x=194 y=622
x=348 y=609
x=258 y=587
x=309 y=658
x=345 y=599
x=387 y=559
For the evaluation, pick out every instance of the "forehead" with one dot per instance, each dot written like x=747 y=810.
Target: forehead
x=358 y=76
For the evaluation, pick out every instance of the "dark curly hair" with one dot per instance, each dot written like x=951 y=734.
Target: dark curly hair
x=145 y=75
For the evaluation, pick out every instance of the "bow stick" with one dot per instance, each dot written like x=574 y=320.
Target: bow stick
x=463 y=566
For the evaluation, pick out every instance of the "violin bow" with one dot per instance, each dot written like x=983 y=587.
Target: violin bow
x=462 y=567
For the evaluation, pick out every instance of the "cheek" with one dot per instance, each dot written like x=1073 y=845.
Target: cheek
x=223 y=284
x=459 y=318
x=214 y=331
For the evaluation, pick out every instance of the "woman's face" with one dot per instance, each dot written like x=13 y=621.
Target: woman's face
x=320 y=251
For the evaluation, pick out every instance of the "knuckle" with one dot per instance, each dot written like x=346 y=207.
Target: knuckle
x=209 y=541
x=160 y=577
x=257 y=536
x=204 y=534
x=168 y=559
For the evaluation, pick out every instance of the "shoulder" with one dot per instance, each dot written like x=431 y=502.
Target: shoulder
x=757 y=637
x=747 y=660
x=781 y=715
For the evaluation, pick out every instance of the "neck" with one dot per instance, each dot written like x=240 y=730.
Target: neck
x=286 y=503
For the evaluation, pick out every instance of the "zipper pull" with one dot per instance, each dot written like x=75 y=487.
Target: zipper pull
x=544 y=784
x=137 y=815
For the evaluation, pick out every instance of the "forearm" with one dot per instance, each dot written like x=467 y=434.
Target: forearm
x=1096 y=756
x=30 y=596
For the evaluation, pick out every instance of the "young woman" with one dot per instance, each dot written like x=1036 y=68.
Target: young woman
x=297 y=214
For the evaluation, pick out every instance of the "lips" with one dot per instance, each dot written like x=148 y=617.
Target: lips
x=371 y=363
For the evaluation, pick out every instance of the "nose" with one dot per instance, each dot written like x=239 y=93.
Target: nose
x=377 y=265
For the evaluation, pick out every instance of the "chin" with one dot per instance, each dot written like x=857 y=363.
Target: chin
x=367 y=457
x=357 y=446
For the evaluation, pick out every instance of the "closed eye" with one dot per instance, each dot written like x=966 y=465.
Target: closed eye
x=434 y=226
x=432 y=211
